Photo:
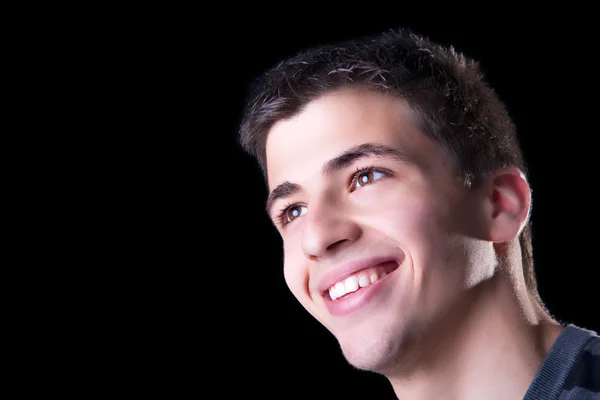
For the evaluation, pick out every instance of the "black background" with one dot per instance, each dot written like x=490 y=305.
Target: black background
x=219 y=316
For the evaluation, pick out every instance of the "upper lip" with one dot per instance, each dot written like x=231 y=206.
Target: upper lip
x=338 y=274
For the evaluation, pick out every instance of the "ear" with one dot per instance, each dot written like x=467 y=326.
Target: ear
x=507 y=204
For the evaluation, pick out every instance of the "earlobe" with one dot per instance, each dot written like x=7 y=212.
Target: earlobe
x=510 y=201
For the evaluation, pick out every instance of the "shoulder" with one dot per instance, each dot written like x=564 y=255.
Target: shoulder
x=571 y=369
x=583 y=381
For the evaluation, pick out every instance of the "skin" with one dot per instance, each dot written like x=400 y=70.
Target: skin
x=454 y=319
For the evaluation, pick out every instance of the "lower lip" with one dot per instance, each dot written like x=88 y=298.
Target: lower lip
x=356 y=300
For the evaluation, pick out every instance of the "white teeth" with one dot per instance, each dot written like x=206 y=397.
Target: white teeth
x=363 y=281
x=352 y=283
x=339 y=289
x=374 y=277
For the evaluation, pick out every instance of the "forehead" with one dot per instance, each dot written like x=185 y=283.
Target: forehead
x=297 y=148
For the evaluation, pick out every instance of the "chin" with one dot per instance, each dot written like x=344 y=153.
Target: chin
x=375 y=353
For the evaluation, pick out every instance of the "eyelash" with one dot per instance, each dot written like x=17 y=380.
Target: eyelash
x=281 y=217
x=362 y=170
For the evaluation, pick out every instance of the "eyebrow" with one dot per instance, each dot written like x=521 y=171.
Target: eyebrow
x=348 y=157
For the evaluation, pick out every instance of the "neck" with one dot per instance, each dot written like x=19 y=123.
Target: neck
x=492 y=351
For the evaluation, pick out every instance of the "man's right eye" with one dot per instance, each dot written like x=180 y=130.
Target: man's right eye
x=290 y=213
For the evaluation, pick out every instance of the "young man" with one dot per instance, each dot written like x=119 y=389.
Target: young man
x=398 y=187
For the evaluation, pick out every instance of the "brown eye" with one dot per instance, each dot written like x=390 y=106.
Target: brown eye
x=294 y=212
x=367 y=177
x=364 y=178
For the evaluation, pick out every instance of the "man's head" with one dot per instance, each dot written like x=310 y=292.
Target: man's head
x=390 y=153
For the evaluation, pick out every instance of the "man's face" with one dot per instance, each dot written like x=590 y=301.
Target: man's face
x=378 y=236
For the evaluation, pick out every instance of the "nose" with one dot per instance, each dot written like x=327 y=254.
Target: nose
x=328 y=228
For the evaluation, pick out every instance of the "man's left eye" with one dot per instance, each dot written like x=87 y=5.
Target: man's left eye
x=367 y=177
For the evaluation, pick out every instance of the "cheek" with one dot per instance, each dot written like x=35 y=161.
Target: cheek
x=295 y=273
x=420 y=227
x=437 y=249
x=410 y=219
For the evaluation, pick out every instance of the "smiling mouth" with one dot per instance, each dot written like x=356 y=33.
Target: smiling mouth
x=360 y=279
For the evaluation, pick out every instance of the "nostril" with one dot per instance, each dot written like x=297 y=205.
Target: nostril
x=336 y=245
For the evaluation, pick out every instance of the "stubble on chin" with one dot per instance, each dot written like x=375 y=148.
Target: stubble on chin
x=385 y=354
